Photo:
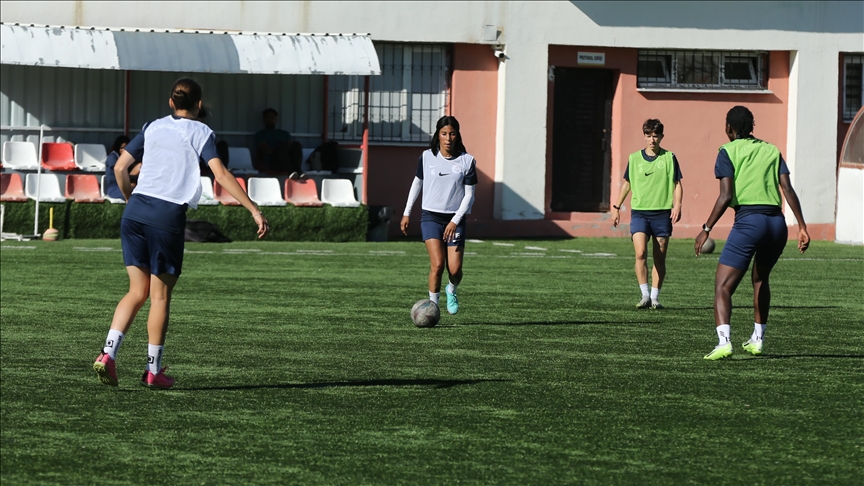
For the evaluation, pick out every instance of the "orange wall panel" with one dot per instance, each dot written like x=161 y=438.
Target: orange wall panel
x=694 y=127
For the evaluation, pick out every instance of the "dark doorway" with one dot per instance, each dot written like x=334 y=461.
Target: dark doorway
x=581 y=159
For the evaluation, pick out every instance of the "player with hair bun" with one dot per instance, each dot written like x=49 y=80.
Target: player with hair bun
x=152 y=229
x=753 y=176
x=447 y=174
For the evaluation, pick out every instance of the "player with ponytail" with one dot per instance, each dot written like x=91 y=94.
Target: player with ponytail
x=152 y=229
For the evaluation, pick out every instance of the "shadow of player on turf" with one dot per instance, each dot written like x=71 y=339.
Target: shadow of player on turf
x=339 y=384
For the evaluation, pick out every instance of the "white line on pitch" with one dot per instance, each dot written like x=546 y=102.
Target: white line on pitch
x=7 y=247
x=535 y=248
x=572 y=251
x=474 y=241
x=502 y=244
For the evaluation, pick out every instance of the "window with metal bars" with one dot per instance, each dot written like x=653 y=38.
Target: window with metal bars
x=405 y=101
x=677 y=69
x=853 y=88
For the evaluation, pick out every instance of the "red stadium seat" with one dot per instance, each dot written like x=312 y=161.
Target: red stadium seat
x=222 y=195
x=58 y=156
x=302 y=192
x=83 y=188
x=12 y=188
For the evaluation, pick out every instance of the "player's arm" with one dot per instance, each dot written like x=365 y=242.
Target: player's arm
x=416 y=186
x=226 y=179
x=795 y=205
x=727 y=189
x=616 y=209
x=121 y=172
x=679 y=199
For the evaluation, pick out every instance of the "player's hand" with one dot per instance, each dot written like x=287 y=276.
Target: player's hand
x=263 y=225
x=700 y=240
x=450 y=231
x=404 y=225
x=676 y=214
x=616 y=217
x=803 y=240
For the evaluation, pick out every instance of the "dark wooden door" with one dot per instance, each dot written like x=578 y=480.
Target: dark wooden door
x=581 y=159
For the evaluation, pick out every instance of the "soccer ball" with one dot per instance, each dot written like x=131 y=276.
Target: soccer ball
x=425 y=313
x=708 y=246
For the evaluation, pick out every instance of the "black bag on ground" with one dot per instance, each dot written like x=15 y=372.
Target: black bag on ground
x=204 y=232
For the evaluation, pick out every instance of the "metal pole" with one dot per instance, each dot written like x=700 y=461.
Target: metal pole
x=38 y=182
x=365 y=136
x=126 y=105
x=326 y=107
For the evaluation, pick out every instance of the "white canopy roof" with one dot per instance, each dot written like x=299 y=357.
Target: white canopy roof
x=188 y=51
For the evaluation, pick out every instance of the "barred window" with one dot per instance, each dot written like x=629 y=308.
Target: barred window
x=405 y=101
x=853 y=88
x=674 y=69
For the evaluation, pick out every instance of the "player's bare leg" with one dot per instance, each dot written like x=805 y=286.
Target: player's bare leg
x=761 y=307
x=640 y=247
x=128 y=307
x=658 y=273
x=435 y=248
x=454 y=269
x=161 y=287
x=725 y=283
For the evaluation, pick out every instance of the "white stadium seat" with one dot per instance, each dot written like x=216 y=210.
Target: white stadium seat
x=207 y=197
x=265 y=191
x=338 y=193
x=108 y=198
x=20 y=156
x=49 y=189
x=90 y=157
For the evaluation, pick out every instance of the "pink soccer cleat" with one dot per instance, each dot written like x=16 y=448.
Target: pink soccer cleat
x=106 y=369
x=159 y=380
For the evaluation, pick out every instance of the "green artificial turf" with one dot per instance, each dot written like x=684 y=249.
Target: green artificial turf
x=297 y=363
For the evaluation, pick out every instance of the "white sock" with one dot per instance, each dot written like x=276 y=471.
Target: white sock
x=451 y=288
x=655 y=293
x=154 y=358
x=758 y=331
x=112 y=343
x=433 y=296
x=723 y=334
x=644 y=289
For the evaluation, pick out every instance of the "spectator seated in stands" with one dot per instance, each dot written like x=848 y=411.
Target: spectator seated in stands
x=111 y=188
x=276 y=152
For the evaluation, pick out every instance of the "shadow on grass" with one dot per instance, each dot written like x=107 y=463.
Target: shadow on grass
x=823 y=356
x=557 y=323
x=339 y=384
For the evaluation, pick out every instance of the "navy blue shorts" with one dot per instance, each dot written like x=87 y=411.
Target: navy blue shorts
x=761 y=235
x=659 y=228
x=149 y=247
x=432 y=227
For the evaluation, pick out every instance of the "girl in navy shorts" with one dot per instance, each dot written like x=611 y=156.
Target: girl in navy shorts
x=753 y=177
x=153 y=226
x=447 y=174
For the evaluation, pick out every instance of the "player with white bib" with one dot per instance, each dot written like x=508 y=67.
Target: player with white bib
x=152 y=230
x=447 y=176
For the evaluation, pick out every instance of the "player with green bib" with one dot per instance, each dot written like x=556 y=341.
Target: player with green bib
x=752 y=176
x=654 y=176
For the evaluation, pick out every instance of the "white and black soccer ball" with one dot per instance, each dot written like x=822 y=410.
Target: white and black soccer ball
x=425 y=313
x=708 y=246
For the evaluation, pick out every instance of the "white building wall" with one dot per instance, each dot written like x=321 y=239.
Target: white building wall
x=850 y=206
x=817 y=30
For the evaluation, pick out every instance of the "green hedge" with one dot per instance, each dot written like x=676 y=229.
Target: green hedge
x=288 y=223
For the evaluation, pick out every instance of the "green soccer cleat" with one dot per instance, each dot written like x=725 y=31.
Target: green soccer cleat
x=657 y=305
x=753 y=347
x=452 y=302
x=720 y=352
x=644 y=303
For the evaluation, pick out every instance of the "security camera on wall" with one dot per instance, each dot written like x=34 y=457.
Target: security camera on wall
x=499 y=52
